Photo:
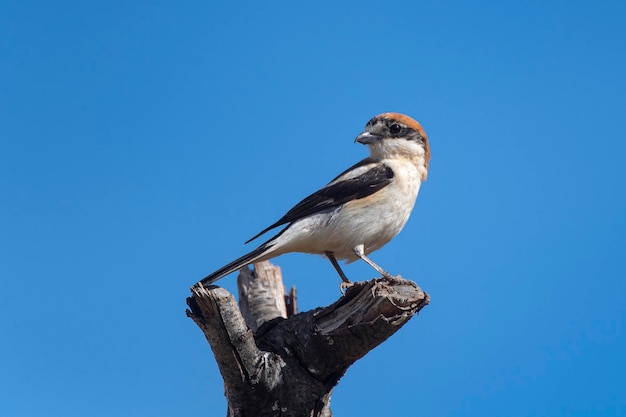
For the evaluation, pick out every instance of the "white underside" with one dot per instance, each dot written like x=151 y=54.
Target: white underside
x=372 y=221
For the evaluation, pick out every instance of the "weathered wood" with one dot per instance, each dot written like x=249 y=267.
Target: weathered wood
x=289 y=366
x=261 y=294
x=292 y=302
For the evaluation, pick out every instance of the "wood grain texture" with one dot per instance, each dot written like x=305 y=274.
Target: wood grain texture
x=288 y=366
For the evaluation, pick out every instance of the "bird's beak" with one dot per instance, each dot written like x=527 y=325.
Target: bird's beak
x=367 y=138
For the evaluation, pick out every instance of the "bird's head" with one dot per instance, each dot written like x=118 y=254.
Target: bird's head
x=395 y=135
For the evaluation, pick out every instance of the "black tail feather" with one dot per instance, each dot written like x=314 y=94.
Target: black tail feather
x=235 y=265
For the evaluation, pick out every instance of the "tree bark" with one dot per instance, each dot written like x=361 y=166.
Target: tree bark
x=279 y=364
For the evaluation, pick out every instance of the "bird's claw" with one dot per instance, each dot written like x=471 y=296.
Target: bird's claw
x=343 y=287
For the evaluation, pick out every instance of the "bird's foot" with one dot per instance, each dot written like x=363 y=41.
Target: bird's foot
x=343 y=287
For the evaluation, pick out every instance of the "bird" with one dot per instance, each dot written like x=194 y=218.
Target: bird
x=361 y=209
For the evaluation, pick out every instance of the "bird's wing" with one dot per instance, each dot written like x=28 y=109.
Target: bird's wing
x=338 y=192
x=355 y=170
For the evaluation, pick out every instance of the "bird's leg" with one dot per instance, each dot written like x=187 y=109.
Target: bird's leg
x=360 y=252
x=345 y=281
x=333 y=260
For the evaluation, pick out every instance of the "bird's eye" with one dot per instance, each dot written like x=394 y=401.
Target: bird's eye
x=395 y=129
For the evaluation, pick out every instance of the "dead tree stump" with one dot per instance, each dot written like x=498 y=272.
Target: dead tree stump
x=279 y=364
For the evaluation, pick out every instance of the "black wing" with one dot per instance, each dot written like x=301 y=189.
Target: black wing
x=361 y=163
x=338 y=193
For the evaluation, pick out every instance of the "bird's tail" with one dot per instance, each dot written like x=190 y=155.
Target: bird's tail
x=254 y=256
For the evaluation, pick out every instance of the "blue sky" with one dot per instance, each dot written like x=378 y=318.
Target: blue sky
x=142 y=143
